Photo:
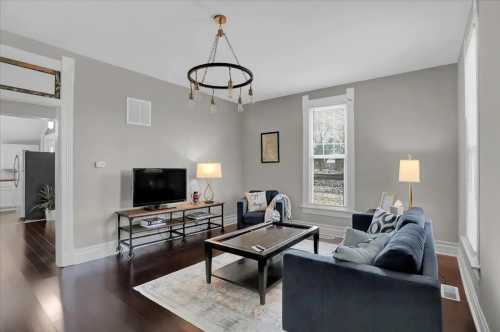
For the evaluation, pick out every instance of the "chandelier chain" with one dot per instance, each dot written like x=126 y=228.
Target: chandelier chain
x=234 y=55
x=210 y=56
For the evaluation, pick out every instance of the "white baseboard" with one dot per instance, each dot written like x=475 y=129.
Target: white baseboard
x=471 y=294
x=97 y=251
x=102 y=250
x=326 y=231
x=446 y=248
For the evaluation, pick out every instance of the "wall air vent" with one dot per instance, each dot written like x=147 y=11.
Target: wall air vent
x=138 y=112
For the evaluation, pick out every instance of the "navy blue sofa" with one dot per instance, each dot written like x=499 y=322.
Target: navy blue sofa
x=324 y=294
x=246 y=218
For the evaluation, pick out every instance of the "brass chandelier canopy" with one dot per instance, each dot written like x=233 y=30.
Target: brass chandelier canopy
x=198 y=75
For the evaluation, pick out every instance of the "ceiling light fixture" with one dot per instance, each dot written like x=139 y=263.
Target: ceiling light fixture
x=232 y=68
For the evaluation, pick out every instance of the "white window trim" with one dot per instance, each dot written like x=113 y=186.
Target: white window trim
x=471 y=254
x=349 y=166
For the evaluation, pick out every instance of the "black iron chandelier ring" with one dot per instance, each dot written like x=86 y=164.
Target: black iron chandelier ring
x=228 y=65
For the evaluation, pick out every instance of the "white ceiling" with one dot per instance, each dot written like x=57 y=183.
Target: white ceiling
x=291 y=46
x=14 y=130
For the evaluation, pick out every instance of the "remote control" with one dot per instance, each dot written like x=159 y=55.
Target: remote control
x=256 y=248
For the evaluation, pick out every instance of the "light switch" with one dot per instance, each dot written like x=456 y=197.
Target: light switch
x=100 y=164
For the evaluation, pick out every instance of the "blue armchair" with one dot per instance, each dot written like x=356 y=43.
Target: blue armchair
x=246 y=218
x=323 y=294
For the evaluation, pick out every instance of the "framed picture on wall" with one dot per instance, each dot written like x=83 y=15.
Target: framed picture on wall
x=270 y=147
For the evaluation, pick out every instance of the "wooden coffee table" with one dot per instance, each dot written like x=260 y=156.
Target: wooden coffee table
x=257 y=270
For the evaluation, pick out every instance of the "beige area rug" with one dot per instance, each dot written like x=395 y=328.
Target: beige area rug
x=221 y=305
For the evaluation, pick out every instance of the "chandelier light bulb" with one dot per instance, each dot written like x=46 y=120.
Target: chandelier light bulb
x=191 y=101
x=250 y=95
x=240 y=105
x=213 y=107
x=230 y=89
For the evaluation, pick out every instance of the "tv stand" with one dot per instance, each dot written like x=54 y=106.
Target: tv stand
x=176 y=224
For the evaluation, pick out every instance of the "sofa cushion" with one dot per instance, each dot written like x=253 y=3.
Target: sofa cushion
x=364 y=252
x=404 y=251
x=256 y=201
x=383 y=222
x=414 y=215
x=253 y=218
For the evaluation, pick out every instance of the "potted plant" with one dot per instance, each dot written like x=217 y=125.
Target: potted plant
x=47 y=202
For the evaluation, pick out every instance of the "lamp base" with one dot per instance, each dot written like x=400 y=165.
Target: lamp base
x=208 y=194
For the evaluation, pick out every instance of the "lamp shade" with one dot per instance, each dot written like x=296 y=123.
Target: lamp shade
x=208 y=170
x=409 y=170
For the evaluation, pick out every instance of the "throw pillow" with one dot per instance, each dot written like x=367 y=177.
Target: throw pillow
x=364 y=253
x=383 y=222
x=354 y=237
x=256 y=201
x=404 y=251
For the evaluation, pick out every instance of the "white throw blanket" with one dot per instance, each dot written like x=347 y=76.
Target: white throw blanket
x=272 y=214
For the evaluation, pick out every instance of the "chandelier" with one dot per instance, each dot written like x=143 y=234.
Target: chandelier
x=237 y=75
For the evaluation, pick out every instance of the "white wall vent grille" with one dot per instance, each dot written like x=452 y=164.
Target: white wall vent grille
x=450 y=292
x=138 y=112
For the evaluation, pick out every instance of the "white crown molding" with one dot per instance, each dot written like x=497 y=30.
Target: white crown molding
x=102 y=250
x=471 y=293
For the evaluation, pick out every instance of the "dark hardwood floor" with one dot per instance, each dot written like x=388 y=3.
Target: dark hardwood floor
x=98 y=296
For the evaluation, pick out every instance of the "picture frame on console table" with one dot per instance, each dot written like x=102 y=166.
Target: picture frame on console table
x=270 y=147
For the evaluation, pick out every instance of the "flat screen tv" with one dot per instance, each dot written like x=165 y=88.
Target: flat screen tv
x=153 y=187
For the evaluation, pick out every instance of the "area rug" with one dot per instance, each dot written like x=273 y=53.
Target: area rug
x=221 y=305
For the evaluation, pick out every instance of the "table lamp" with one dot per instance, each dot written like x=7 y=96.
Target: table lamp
x=208 y=171
x=409 y=172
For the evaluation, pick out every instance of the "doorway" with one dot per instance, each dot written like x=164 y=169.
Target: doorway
x=27 y=177
x=23 y=75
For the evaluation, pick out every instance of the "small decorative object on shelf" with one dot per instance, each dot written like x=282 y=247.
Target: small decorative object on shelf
x=386 y=200
x=195 y=197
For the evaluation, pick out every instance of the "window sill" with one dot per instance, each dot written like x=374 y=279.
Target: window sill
x=325 y=210
x=471 y=255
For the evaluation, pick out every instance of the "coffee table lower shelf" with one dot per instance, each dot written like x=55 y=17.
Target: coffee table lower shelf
x=245 y=272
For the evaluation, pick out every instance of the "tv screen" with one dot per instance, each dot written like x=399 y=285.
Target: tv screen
x=155 y=186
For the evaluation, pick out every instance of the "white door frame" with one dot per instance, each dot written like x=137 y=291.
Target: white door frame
x=64 y=223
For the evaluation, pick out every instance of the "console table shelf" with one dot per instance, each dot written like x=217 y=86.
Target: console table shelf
x=175 y=225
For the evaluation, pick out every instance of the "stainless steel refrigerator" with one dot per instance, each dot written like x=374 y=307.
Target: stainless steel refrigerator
x=39 y=170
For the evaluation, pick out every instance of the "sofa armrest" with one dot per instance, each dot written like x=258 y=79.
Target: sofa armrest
x=241 y=210
x=320 y=293
x=361 y=221
x=280 y=207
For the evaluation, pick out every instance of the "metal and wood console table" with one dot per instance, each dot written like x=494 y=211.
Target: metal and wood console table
x=175 y=224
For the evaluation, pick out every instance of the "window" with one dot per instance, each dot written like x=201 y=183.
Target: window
x=471 y=140
x=329 y=152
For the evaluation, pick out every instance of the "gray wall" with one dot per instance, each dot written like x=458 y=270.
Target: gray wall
x=179 y=137
x=413 y=113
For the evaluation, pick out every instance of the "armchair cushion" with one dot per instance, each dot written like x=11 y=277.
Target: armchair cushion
x=253 y=218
